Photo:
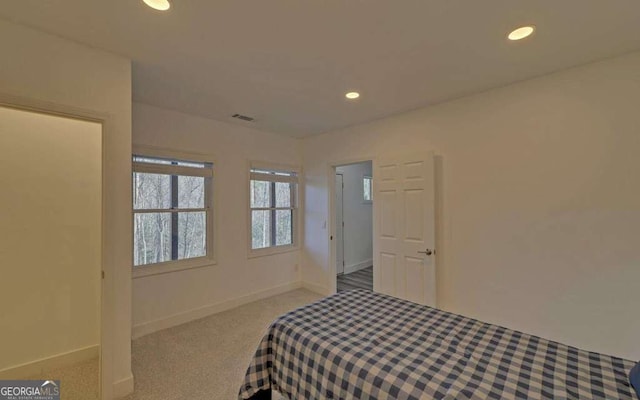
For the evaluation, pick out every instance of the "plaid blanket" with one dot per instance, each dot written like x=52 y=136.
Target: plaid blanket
x=364 y=345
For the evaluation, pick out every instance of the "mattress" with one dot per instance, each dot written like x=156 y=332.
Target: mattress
x=364 y=345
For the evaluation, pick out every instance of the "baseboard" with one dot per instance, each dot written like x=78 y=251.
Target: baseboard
x=358 y=266
x=315 y=288
x=62 y=360
x=123 y=387
x=205 y=311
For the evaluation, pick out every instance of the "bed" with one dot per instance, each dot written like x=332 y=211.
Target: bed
x=364 y=345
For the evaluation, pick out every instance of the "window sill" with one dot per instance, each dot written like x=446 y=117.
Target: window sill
x=270 y=251
x=171 y=266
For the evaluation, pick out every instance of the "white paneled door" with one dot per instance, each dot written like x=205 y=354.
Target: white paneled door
x=404 y=236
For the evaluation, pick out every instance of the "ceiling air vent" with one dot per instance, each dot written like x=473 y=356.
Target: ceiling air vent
x=243 y=117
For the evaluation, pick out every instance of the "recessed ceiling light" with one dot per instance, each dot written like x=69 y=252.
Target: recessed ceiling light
x=352 y=95
x=162 y=5
x=522 y=32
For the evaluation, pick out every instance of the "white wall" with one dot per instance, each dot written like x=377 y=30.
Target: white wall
x=50 y=213
x=164 y=300
x=43 y=67
x=358 y=218
x=538 y=202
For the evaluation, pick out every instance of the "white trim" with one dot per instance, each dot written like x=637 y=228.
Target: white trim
x=272 y=250
x=163 y=152
x=141 y=271
x=146 y=328
x=163 y=169
x=316 y=288
x=123 y=387
x=348 y=269
x=256 y=176
x=331 y=216
x=61 y=360
x=277 y=167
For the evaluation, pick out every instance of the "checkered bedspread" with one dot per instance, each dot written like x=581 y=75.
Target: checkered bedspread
x=363 y=345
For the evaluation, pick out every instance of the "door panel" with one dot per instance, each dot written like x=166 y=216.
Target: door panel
x=387 y=273
x=388 y=205
x=415 y=284
x=405 y=228
x=414 y=215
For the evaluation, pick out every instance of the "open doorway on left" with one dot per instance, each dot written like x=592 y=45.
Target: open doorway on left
x=51 y=252
x=354 y=226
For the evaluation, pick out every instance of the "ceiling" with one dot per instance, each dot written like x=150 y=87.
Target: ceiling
x=288 y=63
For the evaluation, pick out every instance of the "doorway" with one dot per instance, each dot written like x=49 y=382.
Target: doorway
x=51 y=251
x=354 y=226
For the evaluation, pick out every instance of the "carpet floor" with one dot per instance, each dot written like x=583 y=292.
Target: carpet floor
x=361 y=279
x=207 y=358
x=77 y=382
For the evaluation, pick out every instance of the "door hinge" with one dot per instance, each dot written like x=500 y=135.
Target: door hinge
x=102 y=274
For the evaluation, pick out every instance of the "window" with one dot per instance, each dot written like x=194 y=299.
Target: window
x=367 y=187
x=273 y=208
x=172 y=212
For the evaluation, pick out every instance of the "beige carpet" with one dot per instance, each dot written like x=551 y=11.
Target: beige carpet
x=77 y=382
x=206 y=359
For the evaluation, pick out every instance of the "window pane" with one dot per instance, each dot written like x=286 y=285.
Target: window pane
x=367 y=189
x=283 y=227
x=190 y=192
x=151 y=191
x=192 y=234
x=260 y=229
x=260 y=194
x=152 y=238
x=283 y=194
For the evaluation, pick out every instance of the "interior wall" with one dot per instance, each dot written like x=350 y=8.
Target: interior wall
x=537 y=202
x=43 y=67
x=358 y=218
x=164 y=300
x=51 y=236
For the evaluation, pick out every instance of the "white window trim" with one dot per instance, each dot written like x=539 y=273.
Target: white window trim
x=191 y=263
x=364 y=201
x=295 y=237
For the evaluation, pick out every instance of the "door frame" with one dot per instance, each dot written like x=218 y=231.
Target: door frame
x=338 y=227
x=331 y=213
x=107 y=306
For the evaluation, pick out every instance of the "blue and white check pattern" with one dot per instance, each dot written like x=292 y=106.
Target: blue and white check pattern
x=363 y=345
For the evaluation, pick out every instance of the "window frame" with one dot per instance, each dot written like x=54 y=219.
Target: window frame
x=370 y=178
x=295 y=217
x=190 y=263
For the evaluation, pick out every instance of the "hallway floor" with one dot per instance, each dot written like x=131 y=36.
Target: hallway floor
x=362 y=279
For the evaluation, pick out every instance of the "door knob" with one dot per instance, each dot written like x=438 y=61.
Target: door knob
x=427 y=252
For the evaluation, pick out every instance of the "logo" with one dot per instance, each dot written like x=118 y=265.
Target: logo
x=29 y=390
